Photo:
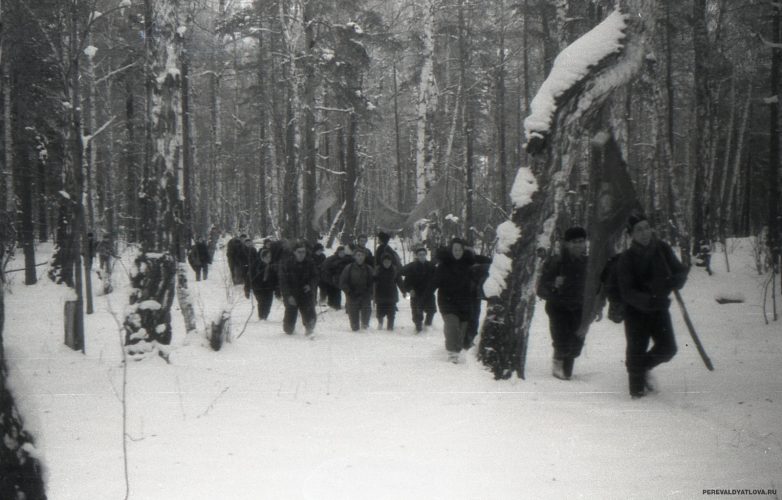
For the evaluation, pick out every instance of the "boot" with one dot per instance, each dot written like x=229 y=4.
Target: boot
x=637 y=384
x=567 y=367
x=390 y=324
x=558 y=370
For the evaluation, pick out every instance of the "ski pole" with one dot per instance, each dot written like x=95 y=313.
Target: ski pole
x=691 y=328
x=687 y=320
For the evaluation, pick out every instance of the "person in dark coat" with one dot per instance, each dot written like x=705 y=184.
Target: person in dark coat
x=361 y=242
x=561 y=285
x=232 y=251
x=199 y=259
x=262 y=280
x=455 y=299
x=384 y=248
x=105 y=252
x=331 y=270
x=387 y=281
x=418 y=277
x=356 y=281
x=319 y=258
x=647 y=272
x=298 y=285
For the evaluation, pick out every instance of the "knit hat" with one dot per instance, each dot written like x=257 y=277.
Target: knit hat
x=421 y=249
x=574 y=233
x=459 y=241
x=387 y=256
x=634 y=219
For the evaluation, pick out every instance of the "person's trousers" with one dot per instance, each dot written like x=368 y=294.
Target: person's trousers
x=420 y=305
x=202 y=270
x=386 y=311
x=334 y=296
x=359 y=309
x=308 y=315
x=563 y=325
x=640 y=328
x=264 y=298
x=455 y=330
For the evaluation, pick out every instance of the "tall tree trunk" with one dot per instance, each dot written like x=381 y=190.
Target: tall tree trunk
x=148 y=323
x=700 y=137
x=310 y=138
x=263 y=147
x=400 y=193
x=423 y=158
x=774 y=220
x=291 y=35
x=468 y=122
x=500 y=84
x=26 y=167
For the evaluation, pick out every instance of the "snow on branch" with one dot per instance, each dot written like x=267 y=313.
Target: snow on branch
x=572 y=67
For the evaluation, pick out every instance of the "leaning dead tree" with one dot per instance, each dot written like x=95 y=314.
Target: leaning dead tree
x=569 y=101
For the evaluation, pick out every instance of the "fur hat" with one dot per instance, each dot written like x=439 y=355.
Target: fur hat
x=421 y=249
x=317 y=247
x=383 y=237
x=634 y=219
x=574 y=233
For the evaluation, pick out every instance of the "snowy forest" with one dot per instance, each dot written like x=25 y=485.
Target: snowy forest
x=150 y=124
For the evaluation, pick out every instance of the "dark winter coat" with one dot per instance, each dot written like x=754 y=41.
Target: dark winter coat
x=232 y=248
x=260 y=276
x=570 y=295
x=199 y=255
x=357 y=280
x=332 y=268
x=387 y=281
x=294 y=276
x=418 y=277
x=386 y=249
x=453 y=280
x=648 y=274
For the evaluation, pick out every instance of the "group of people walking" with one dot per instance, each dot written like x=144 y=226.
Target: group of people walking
x=637 y=282
x=300 y=275
x=643 y=276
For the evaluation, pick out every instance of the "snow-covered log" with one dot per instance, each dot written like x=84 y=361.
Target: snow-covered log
x=582 y=78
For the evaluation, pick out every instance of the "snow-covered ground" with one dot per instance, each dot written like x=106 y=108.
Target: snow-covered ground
x=383 y=415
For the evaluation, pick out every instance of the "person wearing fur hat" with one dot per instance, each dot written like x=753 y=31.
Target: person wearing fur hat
x=418 y=276
x=561 y=285
x=387 y=281
x=453 y=282
x=385 y=248
x=647 y=273
x=356 y=281
x=331 y=270
x=298 y=284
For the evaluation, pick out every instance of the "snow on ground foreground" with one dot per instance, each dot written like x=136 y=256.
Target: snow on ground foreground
x=382 y=415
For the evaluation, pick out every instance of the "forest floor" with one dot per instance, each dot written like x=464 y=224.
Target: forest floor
x=383 y=415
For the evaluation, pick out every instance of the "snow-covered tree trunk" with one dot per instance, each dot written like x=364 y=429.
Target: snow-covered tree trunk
x=292 y=26
x=582 y=78
x=424 y=164
x=148 y=324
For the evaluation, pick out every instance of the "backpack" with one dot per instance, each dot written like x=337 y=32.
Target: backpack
x=609 y=279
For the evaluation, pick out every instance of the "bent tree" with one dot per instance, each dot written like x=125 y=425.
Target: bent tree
x=570 y=100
